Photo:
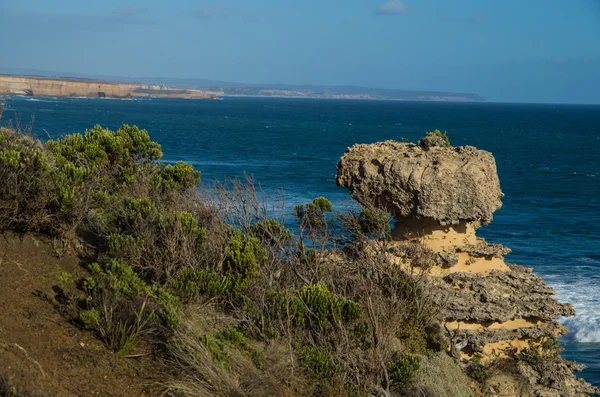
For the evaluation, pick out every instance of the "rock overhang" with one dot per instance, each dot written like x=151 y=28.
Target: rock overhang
x=448 y=185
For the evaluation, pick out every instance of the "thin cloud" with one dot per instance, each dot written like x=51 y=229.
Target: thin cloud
x=126 y=11
x=392 y=7
x=209 y=13
x=471 y=19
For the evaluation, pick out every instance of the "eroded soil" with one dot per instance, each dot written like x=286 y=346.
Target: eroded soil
x=40 y=350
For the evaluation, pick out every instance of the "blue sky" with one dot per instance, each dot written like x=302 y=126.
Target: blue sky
x=511 y=50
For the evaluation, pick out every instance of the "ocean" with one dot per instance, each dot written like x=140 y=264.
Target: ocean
x=548 y=159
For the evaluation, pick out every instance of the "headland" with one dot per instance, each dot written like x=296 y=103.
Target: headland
x=66 y=87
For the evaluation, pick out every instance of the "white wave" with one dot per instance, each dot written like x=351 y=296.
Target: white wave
x=587 y=259
x=583 y=328
x=584 y=294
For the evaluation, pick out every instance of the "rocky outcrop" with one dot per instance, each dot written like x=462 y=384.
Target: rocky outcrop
x=37 y=86
x=492 y=310
x=446 y=185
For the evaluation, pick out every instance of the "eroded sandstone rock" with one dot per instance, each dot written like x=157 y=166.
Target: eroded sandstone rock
x=440 y=196
x=444 y=184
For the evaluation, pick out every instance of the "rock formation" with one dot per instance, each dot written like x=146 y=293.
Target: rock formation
x=39 y=86
x=492 y=310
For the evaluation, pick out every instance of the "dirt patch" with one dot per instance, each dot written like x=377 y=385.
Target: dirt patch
x=40 y=351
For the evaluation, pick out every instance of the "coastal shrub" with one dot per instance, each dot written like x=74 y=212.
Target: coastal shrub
x=318 y=360
x=243 y=257
x=118 y=153
x=180 y=176
x=374 y=222
x=312 y=215
x=271 y=232
x=114 y=293
x=317 y=302
x=434 y=138
x=98 y=159
x=154 y=240
x=155 y=244
x=27 y=191
x=122 y=308
x=238 y=340
x=403 y=368
x=535 y=354
x=190 y=284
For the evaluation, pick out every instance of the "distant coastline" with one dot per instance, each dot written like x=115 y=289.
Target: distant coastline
x=351 y=93
x=352 y=97
x=74 y=87
x=126 y=87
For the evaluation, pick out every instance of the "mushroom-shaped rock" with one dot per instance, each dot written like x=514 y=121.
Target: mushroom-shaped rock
x=446 y=184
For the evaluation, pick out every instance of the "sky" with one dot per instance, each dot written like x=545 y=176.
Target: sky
x=507 y=51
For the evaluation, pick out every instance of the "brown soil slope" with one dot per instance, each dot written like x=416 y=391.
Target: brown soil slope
x=40 y=351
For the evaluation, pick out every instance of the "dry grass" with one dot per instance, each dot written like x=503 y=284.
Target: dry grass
x=199 y=374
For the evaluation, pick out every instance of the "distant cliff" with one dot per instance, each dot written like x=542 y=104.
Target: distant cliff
x=346 y=93
x=227 y=88
x=63 y=87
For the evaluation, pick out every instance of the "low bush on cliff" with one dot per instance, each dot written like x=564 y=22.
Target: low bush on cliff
x=322 y=305
x=435 y=138
x=27 y=191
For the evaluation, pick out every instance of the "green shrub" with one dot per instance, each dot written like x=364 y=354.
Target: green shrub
x=217 y=349
x=317 y=303
x=412 y=335
x=312 y=215
x=189 y=284
x=271 y=232
x=318 y=360
x=180 y=176
x=100 y=149
x=435 y=138
x=153 y=245
x=238 y=340
x=243 y=257
x=403 y=369
x=27 y=192
x=536 y=353
x=116 y=276
x=120 y=307
x=374 y=222
x=90 y=318
x=478 y=372
x=323 y=204
x=169 y=307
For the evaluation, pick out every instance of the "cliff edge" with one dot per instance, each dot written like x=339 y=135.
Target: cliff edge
x=53 y=87
x=500 y=318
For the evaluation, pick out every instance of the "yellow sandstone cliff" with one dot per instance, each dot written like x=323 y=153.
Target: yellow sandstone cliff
x=51 y=87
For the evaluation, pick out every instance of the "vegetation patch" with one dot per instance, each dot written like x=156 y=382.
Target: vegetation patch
x=154 y=243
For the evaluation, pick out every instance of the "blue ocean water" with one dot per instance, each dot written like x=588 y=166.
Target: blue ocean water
x=548 y=159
